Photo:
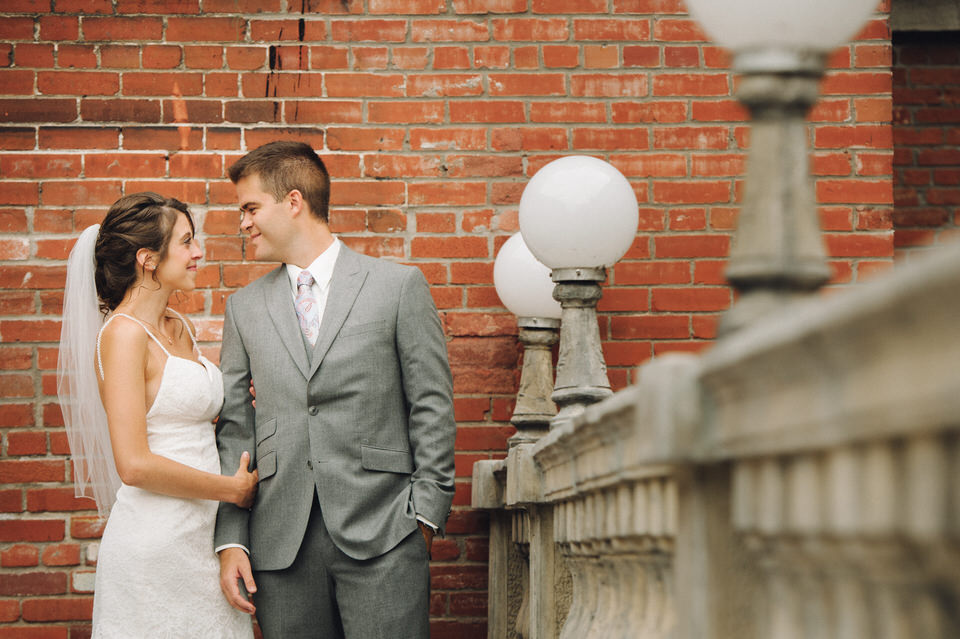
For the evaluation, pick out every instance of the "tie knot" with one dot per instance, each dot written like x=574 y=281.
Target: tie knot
x=305 y=279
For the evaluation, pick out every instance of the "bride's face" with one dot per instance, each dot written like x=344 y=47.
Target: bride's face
x=178 y=270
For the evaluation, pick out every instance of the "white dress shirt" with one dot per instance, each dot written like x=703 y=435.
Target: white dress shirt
x=322 y=271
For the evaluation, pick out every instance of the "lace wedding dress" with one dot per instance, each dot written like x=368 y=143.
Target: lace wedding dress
x=157 y=573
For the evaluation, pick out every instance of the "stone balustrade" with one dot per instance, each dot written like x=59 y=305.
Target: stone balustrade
x=800 y=479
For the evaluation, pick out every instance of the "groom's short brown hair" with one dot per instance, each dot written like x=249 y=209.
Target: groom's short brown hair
x=285 y=166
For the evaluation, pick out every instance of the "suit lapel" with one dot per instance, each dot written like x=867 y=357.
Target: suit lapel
x=279 y=304
x=348 y=278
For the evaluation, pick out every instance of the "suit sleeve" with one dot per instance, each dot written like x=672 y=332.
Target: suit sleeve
x=428 y=388
x=235 y=428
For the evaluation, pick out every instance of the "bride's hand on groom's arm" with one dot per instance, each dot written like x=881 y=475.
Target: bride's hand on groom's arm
x=246 y=482
x=234 y=566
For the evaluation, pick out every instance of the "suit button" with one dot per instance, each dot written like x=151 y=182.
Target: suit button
x=313 y=410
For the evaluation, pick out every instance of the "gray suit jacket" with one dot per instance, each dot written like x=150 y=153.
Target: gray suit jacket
x=365 y=420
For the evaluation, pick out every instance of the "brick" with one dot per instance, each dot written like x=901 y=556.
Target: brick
x=125 y=165
x=486 y=111
x=66 y=609
x=448 y=139
x=854 y=191
x=205 y=29
x=691 y=299
x=530 y=29
x=611 y=29
x=855 y=83
x=396 y=166
x=33 y=632
x=447 y=193
x=158 y=6
x=119 y=56
x=20 y=530
x=859 y=245
x=449 y=31
x=689 y=137
x=364 y=85
x=327 y=112
x=678 y=30
x=34 y=583
x=56 y=499
x=368 y=30
x=719 y=111
x=17 y=138
x=87 y=191
x=40 y=166
x=366 y=58
x=405 y=112
x=837 y=137
x=55 y=27
x=447 y=84
x=17 y=81
x=24 y=193
x=14 y=415
x=512 y=84
x=718 y=165
x=608 y=85
x=29 y=54
x=246 y=58
x=567 y=111
x=248 y=111
x=483 y=166
x=162 y=84
x=99 y=110
x=659 y=272
x=690 y=84
x=16 y=28
x=63 y=554
x=364 y=139
x=489 y=6
x=701 y=192
x=20 y=556
x=116 y=28
x=19 y=385
x=413 y=58
x=611 y=139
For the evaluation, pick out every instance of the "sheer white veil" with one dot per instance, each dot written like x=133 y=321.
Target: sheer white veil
x=86 y=422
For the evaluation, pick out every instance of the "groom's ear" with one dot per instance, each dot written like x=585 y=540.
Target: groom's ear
x=297 y=203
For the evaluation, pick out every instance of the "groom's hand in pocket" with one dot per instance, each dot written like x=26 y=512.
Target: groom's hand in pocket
x=234 y=566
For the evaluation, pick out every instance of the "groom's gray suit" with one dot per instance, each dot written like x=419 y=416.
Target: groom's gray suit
x=361 y=424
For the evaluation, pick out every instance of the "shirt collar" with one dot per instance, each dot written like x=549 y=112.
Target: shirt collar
x=321 y=268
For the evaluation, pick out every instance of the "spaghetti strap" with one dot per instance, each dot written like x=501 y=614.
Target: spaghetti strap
x=129 y=317
x=187 y=325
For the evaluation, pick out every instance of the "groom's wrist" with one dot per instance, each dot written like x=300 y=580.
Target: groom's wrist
x=225 y=546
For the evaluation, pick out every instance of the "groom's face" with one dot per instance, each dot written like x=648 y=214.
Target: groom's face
x=263 y=220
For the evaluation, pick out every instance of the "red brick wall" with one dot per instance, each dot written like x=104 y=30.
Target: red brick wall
x=926 y=135
x=432 y=115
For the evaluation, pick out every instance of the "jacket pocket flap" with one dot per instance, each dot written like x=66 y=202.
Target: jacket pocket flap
x=266 y=429
x=385 y=459
x=354 y=329
x=267 y=465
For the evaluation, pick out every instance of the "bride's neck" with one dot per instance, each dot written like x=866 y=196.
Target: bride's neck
x=145 y=304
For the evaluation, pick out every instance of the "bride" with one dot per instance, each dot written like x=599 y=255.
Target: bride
x=138 y=398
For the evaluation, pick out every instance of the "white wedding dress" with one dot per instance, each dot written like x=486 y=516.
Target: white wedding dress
x=157 y=573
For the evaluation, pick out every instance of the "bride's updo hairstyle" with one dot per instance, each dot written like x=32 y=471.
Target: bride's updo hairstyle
x=136 y=221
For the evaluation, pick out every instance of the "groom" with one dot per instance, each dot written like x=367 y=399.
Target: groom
x=353 y=427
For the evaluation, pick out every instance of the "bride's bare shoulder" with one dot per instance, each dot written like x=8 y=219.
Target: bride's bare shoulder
x=122 y=332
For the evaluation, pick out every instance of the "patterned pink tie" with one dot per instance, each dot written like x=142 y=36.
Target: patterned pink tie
x=306 y=305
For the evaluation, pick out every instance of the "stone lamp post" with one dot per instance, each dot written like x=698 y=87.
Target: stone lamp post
x=525 y=288
x=578 y=215
x=779 y=48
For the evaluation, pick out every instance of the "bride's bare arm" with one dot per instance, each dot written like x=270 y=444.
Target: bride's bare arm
x=127 y=368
